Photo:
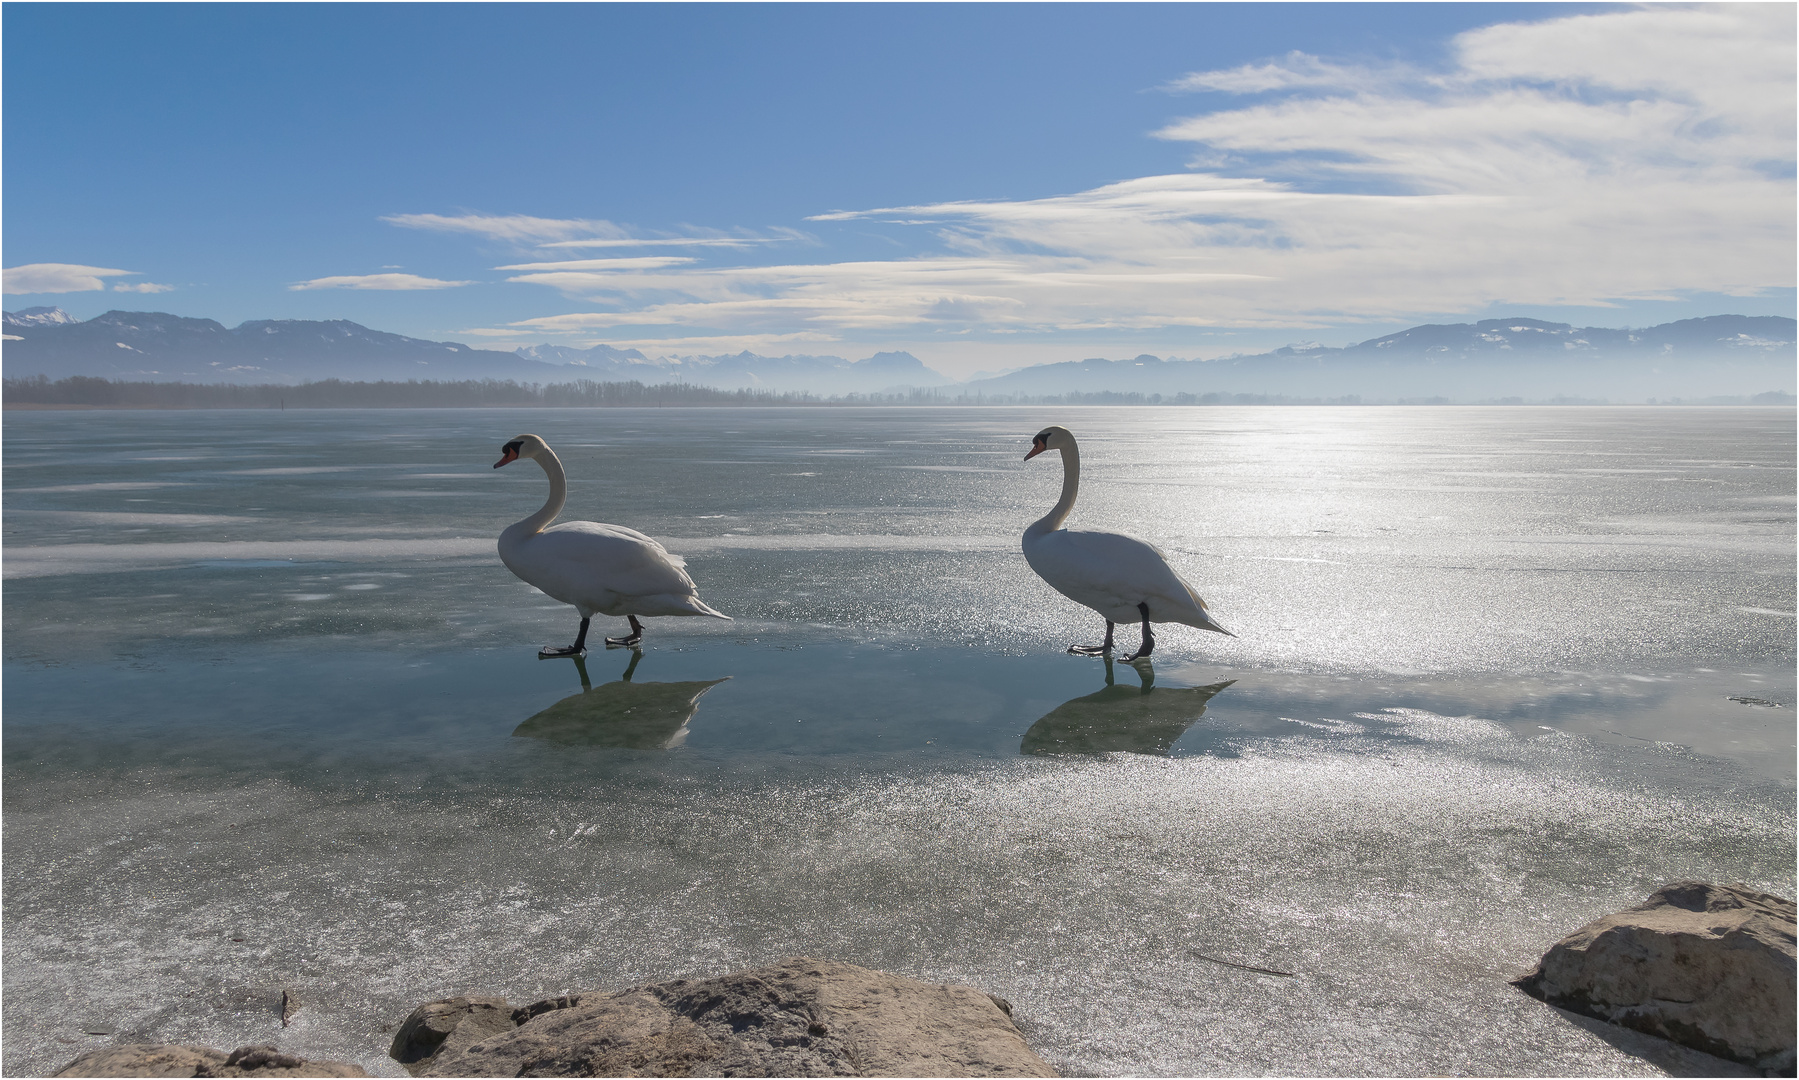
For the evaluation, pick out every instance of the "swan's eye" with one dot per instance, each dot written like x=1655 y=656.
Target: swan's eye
x=1042 y=437
x=511 y=447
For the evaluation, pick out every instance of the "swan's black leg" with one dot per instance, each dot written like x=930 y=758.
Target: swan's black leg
x=1149 y=639
x=579 y=648
x=1095 y=650
x=630 y=641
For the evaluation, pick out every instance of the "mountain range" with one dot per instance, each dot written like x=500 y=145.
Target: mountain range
x=1487 y=360
x=153 y=346
x=826 y=375
x=1721 y=355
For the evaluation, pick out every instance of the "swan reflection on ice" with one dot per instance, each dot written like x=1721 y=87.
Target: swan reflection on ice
x=1145 y=719
x=634 y=716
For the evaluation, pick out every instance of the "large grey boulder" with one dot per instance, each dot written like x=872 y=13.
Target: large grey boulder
x=167 y=1059
x=800 y=1017
x=449 y=1027
x=1708 y=966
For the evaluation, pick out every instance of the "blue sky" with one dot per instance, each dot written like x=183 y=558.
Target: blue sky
x=985 y=185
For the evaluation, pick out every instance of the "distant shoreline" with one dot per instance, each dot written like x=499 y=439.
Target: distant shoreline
x=37 y=407
x=85 y=392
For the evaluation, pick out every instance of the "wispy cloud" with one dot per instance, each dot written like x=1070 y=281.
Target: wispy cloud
x=58 y=278
x=382 y=282
x=143 y=287
x=1585 y=160
x=776 y=236
x=517 y=228
x=587 y=232
x=720 y=344
x=1294 y=71
x=998 y=294
x=646 y=262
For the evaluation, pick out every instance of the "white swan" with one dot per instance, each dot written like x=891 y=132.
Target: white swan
x=1121 y=577
x=600 y=569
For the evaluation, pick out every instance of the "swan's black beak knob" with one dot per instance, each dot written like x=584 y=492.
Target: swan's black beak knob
x=509 y=453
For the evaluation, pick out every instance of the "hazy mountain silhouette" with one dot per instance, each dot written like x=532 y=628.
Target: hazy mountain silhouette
x=746 y=370
x=155 y=346
x=159 y=347
x=1494 y=359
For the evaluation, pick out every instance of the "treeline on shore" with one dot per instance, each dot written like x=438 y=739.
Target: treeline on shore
x=87 y=392
x=82 y=391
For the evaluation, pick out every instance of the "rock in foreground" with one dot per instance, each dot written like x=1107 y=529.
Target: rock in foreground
x=1708 y=966
x=167 y=1059
x=800 y=1017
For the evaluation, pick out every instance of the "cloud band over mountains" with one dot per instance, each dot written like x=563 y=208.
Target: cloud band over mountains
x=1573 y=161
x=1625 y=156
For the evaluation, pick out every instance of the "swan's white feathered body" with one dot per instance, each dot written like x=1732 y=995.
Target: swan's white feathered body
x=602 y=569
x=1119 y=576
x=1112 y=573
x=599 y=569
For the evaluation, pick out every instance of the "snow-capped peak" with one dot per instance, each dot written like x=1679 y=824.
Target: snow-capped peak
x=39 y=316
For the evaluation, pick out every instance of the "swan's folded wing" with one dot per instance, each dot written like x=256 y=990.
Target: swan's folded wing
x=1111 y=572
x=624 y=561
x=1114 y=560
x=602 y=529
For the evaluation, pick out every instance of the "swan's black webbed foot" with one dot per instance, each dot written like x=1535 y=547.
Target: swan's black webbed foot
x=579 y=648
x=1149 y=640
x=630 y=640
x=1095 y=650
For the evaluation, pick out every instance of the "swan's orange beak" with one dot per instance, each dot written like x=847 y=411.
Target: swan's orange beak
x=510 y=455
x=1036 y=448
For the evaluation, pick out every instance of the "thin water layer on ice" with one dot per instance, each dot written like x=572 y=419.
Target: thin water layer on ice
x=274 y=722
x=489 y=716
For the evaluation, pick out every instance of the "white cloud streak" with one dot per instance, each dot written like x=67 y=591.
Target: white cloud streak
x=524 y=230
x=717 y=345
x=783 y=236
x=1632 y=154
x=516 y=228
x=646 y=262
x=1294 y=71
x=57 y=278
x=380 y=282
x=143 y=287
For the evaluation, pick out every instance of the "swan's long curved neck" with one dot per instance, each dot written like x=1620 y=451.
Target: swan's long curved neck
x=552 y=467
x=1071 y=484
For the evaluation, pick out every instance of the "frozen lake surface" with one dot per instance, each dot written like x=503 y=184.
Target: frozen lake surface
x=274 y=721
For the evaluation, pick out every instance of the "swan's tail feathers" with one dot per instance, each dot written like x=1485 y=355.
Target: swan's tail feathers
x=1205 y=621
x=667 y=604
x=700 y=607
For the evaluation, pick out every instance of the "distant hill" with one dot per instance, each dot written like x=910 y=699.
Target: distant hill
x=158 y=347
x=1489 y=360
x=748 y=371
x=40 y=316
x=153 y=346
